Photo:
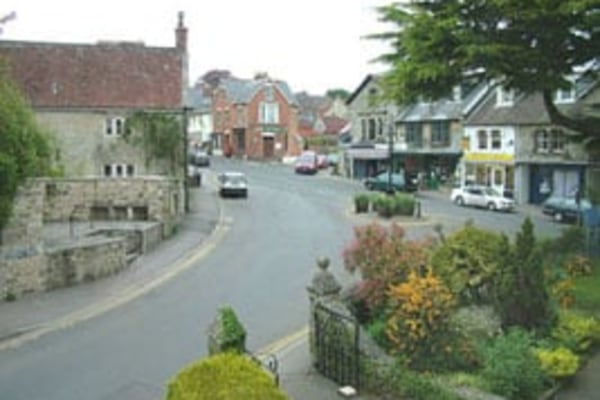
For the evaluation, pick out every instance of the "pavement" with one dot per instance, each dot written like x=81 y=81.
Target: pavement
x=34 y=315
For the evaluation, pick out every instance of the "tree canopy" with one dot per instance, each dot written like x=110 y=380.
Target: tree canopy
x=25 y=150
x=528 y=46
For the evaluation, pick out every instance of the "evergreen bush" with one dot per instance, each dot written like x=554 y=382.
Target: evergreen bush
x=226 y=333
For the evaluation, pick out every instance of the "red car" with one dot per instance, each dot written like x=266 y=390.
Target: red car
x=307 y=163
x=322 y=161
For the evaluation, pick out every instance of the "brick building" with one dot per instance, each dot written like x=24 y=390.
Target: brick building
x=256 y=118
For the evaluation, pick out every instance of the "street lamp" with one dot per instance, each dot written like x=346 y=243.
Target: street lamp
x=390 y=188
x=186 y=196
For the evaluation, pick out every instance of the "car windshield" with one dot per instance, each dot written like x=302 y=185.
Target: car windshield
x=491 y=192
x=235 y=179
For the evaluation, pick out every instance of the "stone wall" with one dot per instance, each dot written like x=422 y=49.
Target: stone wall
x=84 y=262
x=27 y=264
x=155 y=199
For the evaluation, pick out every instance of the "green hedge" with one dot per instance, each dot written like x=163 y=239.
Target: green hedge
x=225 y=376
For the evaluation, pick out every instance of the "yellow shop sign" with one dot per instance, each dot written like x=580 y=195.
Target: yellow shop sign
x=494 y=157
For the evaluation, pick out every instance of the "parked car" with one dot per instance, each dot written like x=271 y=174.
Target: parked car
x=199 y=158
x=307 y=163
x=333 y=159
x=481 y=196
x=322 y=161
x=399 y=182
x=233 y=183
x=565 y=209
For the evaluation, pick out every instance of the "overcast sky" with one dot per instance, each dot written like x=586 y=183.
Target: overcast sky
x=314 y=45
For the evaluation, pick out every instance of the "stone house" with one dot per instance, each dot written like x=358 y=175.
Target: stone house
x=372 y=126
x=257 y=118
x=83 y=93
x=510 y=143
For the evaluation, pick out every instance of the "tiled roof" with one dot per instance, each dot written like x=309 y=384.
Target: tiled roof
x=101 y=75
x=334 y=125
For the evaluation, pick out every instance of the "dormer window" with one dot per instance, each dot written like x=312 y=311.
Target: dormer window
x=565 y=95
x=457 y=93
x=504 y=97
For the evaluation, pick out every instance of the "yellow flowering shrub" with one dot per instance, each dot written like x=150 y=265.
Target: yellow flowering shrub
x=558 y=363
x=576 y=332
x=420 y=310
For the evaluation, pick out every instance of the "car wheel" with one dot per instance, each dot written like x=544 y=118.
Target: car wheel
x=459 y=201
x=491 y=206
x=558 y=216
x=369 y=186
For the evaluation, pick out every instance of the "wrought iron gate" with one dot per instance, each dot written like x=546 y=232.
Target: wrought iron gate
x=336 y=348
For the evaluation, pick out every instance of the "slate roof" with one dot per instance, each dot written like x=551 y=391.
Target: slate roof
x=198 y=100
x=444 y=109
x=109 y=74
x=527 y=109
x=241 y=91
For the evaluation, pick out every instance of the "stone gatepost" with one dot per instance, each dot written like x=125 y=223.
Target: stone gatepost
x=324 y=288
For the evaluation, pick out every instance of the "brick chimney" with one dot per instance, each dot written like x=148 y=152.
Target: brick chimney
x=181 y=34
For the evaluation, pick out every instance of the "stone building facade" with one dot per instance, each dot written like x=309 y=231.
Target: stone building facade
x=83 y=93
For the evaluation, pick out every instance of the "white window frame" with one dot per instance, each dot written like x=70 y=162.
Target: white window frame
x=542 y=141
x=482 y=139
x=114 y=168
x=114 y=126
x=495 y=137
x=564 y=96
x=504 y=97
x=269 y=113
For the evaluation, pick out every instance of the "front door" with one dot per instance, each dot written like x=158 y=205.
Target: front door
x=268 y=147
x=497 y=178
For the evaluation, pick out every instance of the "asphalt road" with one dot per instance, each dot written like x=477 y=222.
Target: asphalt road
x=261 y=269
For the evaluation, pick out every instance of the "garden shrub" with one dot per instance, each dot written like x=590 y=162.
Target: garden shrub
x=420 y=310
x=385 y=206
x=361 y=203
x=558 y=363
x=403 y=204
x=576 y=332
x=467 y=260
x=225 y=376
x=522 y=297
x=511 y=368
x=226 y=333
x=398 y=381
x=383 y=257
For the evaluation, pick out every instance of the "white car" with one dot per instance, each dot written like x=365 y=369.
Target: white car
x=481 y=196
x=233 y=184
